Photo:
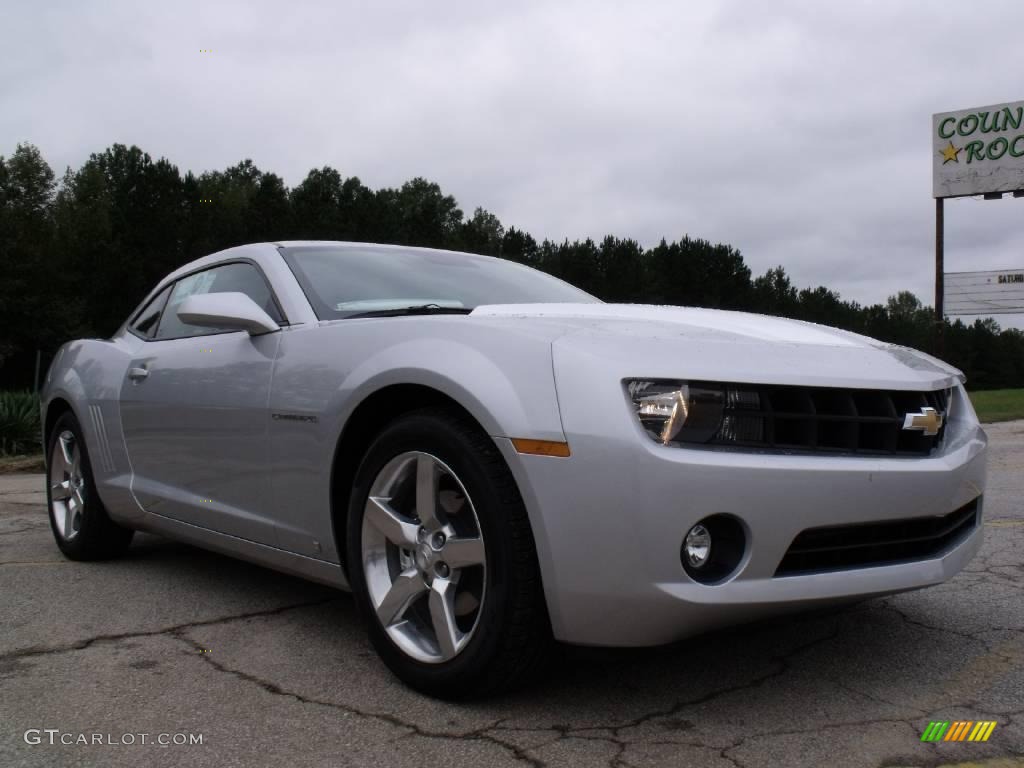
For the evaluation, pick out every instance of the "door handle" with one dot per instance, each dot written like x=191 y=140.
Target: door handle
x=137 y=374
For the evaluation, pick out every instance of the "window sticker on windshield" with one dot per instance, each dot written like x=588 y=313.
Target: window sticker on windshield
x=193 y=284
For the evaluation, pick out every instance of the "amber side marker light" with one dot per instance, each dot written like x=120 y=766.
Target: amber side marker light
x=541 y=447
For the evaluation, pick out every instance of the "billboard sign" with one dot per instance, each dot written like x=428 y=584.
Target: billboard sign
x=980 y=150
x=996 y=292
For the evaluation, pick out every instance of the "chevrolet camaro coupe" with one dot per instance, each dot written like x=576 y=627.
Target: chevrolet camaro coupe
x=491 y=459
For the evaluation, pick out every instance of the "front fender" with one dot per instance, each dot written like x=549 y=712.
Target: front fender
x=503 y=378
x=507 y=401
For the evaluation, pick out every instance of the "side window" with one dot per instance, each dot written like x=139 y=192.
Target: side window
x=240 y=277
x=146 y=320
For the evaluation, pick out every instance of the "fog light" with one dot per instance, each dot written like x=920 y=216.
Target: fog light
x=713 y=563
x=697 y=546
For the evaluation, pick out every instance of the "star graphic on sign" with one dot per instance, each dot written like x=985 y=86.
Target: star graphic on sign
x=950 y=153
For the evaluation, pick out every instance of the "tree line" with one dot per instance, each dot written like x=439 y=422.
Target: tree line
x=77 y=254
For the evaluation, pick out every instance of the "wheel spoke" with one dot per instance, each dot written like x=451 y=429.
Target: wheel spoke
x=69 y=517
x=386 y=483
x=61 y=491
x=405 y=589
x=442 y=616
x=426 y=492
x=58 y=466
x=67 y=452
x=395 y=528
x=464 y=551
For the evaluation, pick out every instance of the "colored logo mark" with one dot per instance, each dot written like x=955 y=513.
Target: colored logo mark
x=951 y=153
x=958 y=730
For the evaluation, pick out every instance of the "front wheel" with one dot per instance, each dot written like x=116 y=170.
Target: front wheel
x=442 y=560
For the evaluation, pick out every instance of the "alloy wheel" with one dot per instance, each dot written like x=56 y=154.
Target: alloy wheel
x=423 y=557
x=67 y=485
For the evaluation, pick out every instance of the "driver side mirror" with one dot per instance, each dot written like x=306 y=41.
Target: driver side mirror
x=230 y=311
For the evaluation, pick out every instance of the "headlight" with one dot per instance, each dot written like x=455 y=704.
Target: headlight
x=696 y=412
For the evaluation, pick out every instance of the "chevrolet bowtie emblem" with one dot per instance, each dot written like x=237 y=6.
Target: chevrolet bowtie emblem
x=928 y=421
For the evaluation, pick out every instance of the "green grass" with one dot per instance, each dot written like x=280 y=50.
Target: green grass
x=19 y=423
x=999 y=404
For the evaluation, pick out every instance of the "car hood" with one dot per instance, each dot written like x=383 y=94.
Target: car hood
x=686 y=342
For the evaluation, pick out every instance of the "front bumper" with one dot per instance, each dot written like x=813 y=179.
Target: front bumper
x=610 y=519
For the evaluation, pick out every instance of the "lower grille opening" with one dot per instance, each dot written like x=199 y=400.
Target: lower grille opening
x=863 y=545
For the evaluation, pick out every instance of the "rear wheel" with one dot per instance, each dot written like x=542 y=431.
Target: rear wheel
x=79 y=521
x=442 y=559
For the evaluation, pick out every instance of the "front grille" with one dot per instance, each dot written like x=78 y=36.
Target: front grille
x=841 y=547
x=827 y=420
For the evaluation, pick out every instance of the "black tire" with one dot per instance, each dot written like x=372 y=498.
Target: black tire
x=97 y=537
x=513 y=635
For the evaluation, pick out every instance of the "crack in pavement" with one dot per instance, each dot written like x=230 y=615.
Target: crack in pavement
x=490 y=733
x=977 y=636
x=1004 y=720
x=871 y=696
x=36 y=562
x=477 y=734
x=784 y=666
x=886 y=605
x=114 y=638
x=26 y=529
x=622 y=744
x=816 y=730
x=781 y=664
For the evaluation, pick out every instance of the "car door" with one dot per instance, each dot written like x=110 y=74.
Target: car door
x=194 y=411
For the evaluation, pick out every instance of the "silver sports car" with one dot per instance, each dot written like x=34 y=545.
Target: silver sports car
x=491 y=459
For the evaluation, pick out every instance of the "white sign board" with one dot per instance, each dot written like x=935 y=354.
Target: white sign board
x=979 y=150
x=996 y=292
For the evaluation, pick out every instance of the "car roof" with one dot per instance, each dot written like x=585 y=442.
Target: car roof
x=258 y=252
x=348 y=245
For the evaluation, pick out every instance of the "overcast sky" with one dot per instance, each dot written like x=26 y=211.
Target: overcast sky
x=797 y=132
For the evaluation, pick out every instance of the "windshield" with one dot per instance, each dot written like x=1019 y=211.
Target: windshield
x=348 y=281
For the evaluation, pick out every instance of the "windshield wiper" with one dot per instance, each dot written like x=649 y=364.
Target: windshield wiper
x=422 y=309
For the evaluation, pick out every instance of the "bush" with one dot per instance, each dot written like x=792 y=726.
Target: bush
x=20 y=431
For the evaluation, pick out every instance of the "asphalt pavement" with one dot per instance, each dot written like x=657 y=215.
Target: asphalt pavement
x=176 y=656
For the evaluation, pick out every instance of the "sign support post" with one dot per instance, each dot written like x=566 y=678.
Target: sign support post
x=940 y=288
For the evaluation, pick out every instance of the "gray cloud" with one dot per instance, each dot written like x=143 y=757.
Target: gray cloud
x=798 y=132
